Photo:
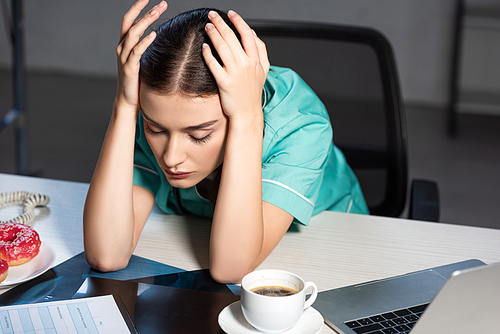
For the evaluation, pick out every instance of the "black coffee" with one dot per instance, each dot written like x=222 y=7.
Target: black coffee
x=274 y=291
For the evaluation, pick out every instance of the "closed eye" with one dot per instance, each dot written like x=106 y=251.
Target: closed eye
x=202 y=140
x=151 y=130
x=155 y=129
x=194 y=139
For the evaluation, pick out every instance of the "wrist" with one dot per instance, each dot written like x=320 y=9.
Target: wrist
x=244 y=139
x=248 y=121
x=124 y=110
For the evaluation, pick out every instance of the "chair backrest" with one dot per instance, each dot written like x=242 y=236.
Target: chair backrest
x=353 y=71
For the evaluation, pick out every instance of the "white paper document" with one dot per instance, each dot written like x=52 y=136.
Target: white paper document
x=99 y=315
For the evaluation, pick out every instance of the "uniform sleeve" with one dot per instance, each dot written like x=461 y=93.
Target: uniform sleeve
x=294 y=165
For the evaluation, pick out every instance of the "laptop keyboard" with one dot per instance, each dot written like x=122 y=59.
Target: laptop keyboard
x=398 y=321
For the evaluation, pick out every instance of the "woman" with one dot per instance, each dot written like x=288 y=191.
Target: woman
x=202 y=116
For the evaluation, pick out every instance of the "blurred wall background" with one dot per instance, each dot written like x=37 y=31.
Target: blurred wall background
x=79 y=36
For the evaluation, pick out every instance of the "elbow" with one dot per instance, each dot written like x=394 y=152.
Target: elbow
x=229 y=274
x=231 y=267
x=223 y=277
x=106 y=263
x=105 y=258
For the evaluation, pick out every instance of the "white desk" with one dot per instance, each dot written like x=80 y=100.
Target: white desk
x=334 y=250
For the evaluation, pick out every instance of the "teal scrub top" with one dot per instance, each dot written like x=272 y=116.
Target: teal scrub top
x=303 y=172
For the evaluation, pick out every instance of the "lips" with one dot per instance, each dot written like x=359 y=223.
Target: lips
x=178 y=175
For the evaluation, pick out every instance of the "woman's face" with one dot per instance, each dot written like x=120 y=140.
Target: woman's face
x=186 y=135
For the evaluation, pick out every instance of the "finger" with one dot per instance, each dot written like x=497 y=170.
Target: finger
x=212 y=63
x=220 y=45
x=227 y=34
x=129 y=17
x=140 y=18
x=246 y=33
x=136 y=53
x=134 y=35
x=135 y=32
x=262 y=49
x=144 y=21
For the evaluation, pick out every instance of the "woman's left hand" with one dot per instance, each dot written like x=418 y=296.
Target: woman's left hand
x=245 y=65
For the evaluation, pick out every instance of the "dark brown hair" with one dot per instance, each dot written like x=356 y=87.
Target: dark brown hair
x=174 y=63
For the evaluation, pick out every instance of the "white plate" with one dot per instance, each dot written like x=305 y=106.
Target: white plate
x=31 y=269
x=232 y=321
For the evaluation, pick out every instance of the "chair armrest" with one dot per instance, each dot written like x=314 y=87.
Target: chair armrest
x=424 y=200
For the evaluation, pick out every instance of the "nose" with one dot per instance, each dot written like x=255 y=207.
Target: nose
x=175 y=153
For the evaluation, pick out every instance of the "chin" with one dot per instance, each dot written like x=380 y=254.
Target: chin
x=182 y=183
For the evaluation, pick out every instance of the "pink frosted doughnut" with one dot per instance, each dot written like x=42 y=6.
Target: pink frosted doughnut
x=18 y=243
x=4 y=270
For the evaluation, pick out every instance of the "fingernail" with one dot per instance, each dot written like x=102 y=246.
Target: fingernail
x=209 y=26
x=161 y=4
x=231 y=13
x=212 y=14
x=204 y=46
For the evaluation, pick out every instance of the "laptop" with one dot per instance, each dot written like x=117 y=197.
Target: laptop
x=462 y=297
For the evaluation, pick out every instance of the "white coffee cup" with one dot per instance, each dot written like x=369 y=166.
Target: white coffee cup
x=272 y=314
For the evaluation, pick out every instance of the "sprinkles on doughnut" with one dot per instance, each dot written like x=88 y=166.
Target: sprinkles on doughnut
x=18 y=243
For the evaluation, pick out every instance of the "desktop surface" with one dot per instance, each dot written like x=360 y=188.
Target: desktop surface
x=335 y=250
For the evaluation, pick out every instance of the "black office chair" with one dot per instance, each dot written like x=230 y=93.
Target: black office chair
x=353 y=71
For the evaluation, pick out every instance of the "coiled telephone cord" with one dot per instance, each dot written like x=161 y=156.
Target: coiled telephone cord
x=28 y=200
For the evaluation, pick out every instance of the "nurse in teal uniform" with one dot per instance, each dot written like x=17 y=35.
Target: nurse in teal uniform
x=202 y=124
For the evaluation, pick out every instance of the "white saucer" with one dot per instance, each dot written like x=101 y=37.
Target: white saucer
x=232 y=321
x=31 y=269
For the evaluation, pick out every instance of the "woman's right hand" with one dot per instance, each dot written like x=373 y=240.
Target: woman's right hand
x=130 y=49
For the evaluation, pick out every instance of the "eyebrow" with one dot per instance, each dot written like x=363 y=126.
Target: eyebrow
x=188 y=128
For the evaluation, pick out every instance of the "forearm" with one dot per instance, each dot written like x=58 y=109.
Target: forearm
x=239 y=240
x=108 y=214
x=115 y=210
x=237 y=228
